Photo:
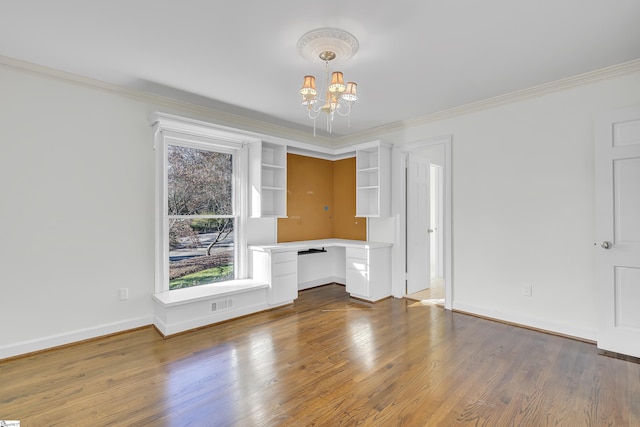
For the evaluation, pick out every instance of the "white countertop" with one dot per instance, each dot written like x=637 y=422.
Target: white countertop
x=317 y=244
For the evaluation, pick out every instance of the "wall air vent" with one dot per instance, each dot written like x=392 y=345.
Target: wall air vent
x=224 y=304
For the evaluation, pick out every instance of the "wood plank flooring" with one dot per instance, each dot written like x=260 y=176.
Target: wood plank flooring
x=434 y=295
x=328 y=360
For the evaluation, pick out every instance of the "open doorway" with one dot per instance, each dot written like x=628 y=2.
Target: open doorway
x=433 y=260
x=424 y=246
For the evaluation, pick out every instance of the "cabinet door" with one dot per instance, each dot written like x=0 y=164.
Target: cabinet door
x=284 y=289
x=284 y=277
x=357 y=272
x=358 y=283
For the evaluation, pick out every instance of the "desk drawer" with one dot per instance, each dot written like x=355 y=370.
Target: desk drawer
x=284 y=268
x=357 y=264
x=278 y=257
x=359 y=254
x=357 y=259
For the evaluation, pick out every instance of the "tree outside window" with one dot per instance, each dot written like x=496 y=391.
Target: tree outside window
x=201 y=216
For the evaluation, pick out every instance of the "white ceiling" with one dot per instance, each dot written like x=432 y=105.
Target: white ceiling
x=416 y=57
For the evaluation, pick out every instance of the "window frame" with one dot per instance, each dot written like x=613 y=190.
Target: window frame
x=176 y=131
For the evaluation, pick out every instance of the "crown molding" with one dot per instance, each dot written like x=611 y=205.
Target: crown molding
x=221 y=117
x=520 y=95
x=281 y=132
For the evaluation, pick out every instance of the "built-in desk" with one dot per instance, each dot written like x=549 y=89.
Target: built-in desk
x=364 y=267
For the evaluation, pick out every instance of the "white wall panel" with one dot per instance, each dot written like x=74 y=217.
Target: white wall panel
x=76 y=219
x=627 y=284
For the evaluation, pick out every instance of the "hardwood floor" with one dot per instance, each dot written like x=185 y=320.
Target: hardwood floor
x=434 y=295
x=328 y=360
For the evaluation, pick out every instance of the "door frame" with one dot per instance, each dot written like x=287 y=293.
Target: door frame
x=398 y=202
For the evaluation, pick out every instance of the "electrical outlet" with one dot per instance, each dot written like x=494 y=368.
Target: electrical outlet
x=123 y=293
x=526 y=290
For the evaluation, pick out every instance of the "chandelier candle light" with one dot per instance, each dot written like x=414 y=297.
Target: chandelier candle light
x=326 y=45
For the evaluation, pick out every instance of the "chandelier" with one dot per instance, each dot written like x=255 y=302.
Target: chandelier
x=327 y=45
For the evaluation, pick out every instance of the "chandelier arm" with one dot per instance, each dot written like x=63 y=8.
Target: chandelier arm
x=313 y=113
x=348 y=105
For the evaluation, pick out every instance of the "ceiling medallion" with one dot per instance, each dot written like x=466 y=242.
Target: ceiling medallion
x=340 y=42
x=326 y=45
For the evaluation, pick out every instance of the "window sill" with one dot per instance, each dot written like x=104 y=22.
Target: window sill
x=204 y=292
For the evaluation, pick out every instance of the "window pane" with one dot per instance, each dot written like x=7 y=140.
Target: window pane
x=200 y=182
x=200 y=251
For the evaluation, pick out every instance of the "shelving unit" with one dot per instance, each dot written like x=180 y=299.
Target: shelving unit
x=373 y=180
x=268 y=171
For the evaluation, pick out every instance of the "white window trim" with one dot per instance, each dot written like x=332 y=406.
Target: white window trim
x=173 y=130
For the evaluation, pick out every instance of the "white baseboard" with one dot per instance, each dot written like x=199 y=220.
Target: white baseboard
x=320 y=282
x=57 y=340
x=187 y=325
x=536 y=323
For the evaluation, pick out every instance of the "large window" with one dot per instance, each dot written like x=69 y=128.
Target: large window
x=201 y=180
x=200 y=212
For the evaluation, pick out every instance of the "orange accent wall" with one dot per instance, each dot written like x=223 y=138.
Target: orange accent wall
x=345 y=224
x=309 y=200
x=321 y=200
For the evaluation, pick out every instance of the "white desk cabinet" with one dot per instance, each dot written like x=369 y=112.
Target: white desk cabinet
x=367 y=275
x=280 y=271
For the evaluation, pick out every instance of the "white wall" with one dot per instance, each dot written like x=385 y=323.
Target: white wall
x=76 y=217
x=435 y=154
x=77 y=211
x=523 y=205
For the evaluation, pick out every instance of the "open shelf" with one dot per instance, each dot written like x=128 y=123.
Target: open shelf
x=373 y=180
x=268 y=180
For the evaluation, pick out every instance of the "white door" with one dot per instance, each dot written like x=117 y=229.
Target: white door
x=435 y=212
x=617 y=161
x=418 y=243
